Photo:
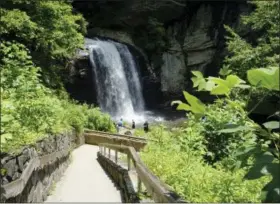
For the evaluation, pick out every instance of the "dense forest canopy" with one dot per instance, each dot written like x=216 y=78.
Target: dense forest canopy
x=49 y=29
x=38 y=38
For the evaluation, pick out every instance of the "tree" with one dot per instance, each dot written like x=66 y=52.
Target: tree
x=49 y=29
x=259 y=53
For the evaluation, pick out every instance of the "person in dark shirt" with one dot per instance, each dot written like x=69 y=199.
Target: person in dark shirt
x=146 y=126
x=133 y=124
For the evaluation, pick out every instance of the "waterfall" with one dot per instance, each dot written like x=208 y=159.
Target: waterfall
x=119 y=90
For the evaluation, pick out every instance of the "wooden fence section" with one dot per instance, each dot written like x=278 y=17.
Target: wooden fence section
x=114 y=134
x=97 y=137
x=159 y=191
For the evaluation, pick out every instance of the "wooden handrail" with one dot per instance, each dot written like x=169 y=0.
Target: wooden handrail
x=159 y=191
x=87 y=131
x=114 y=134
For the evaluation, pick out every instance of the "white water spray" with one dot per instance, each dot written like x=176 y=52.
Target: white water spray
x=119 y=90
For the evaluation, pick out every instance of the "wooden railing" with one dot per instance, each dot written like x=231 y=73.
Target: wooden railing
x=159 y=191
x=115 y=134
x=97 y=137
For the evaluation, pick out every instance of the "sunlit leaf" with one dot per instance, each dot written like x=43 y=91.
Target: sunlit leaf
x=209 y=85
x=235 y=129
x=233 y=80
x=271 y=125
x=198 y=80
x=176 y=102
x=224 y=71
x=183 y=106
x=196 y=105
x=267 y=78
x=220 y=90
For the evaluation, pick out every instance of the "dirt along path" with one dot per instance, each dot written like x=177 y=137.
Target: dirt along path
x=85 y=180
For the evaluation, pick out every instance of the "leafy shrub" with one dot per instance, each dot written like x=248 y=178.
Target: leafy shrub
x=249 y=147
x=29 y=110
x=220 y=115
x=99 y=121
x=178 y=165
x=49 y=29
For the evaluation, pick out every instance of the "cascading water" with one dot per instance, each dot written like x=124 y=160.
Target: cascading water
x=117 y=80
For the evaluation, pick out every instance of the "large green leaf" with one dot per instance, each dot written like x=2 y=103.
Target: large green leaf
x=271 y=125
x=272 y=189
x=267 y=78
x=198 y=80
x=233 y=80
x=209 y=85
x=218 y=81
x=236 y=128
x=220 y=90
x=262 y=166
x=183 y=106
x=195 y=104
x=223 y=87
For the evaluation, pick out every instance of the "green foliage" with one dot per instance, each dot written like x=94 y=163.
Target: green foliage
x=224 y=71
x=152 y=37
x=266 y=78
x=29 y=110
x=262 y=53
x=217 y=86
x=228 y=130
x=195 y=105
x=49 y=29
x=176 y=158
x=223 y=114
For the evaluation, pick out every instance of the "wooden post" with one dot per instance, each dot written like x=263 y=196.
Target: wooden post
x=116 y=156
x=109 y=153
x=139 y=185
x=128 y=162
x=105 y=151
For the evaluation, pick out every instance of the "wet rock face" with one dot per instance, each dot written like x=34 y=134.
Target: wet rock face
x=127 y=13
x=173 y=69
x=82 y=86
x=198 y=43
x=195 y=32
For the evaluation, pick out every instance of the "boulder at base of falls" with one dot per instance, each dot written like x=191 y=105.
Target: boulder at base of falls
x=128 y=133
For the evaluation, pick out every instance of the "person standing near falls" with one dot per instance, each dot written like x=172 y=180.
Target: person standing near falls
x=133 y=124
x=120 y=124
x=146 y=126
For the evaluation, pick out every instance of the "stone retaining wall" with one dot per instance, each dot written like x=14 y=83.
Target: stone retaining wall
x=29 y=176
x=120 y=177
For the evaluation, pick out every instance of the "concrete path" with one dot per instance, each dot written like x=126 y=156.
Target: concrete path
x=84 y=180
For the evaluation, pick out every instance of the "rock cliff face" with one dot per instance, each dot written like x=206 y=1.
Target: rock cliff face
x=198 y=43
x=194 y=29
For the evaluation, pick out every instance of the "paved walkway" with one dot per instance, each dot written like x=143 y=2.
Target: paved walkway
x=84 y=180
